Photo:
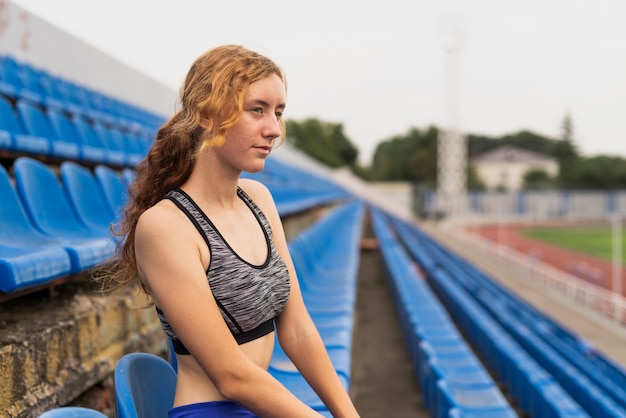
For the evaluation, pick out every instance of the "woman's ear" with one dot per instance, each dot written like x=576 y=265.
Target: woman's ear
x=204 y=123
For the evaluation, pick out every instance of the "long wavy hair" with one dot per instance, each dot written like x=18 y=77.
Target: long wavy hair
x=214 y=91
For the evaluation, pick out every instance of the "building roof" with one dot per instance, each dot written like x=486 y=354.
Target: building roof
x=511 y=154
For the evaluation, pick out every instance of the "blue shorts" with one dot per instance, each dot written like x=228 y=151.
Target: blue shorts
x=216 y=409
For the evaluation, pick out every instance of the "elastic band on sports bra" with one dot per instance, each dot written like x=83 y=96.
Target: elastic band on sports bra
x=263 y=329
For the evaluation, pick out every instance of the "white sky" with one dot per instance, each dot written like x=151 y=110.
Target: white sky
x=380 y=68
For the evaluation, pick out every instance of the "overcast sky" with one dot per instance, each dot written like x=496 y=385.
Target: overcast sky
x=381 y=68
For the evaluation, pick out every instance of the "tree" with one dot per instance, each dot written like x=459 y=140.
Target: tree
x=567 y=154
x=324 y=141
x=408 y=157
x=538 y=180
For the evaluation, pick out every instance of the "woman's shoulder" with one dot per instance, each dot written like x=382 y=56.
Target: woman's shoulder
x=259 y=193
x=162 y=216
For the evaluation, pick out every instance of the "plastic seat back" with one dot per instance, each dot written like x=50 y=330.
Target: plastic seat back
x=86 y=197
x=15 y=227
x=12 y=133
x=72 y=412
x=113 y=188
x=128 y=175
x=44 y=199
x=144 y=386
x=37 y=123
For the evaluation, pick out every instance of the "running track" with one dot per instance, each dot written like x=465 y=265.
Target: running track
x=589 y=268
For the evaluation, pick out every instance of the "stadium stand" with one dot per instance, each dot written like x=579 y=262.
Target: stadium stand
x=545 y=369
x=296 y=190
x=448 y=372
x=27 y=257
x=476 y=349
x=325 y=256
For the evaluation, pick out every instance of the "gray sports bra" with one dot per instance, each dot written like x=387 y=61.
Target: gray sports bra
x=249 y=296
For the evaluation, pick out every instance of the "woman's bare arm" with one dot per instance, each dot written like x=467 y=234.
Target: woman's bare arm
x=170 y=260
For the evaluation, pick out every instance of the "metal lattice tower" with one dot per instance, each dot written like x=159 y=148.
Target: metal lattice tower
x=452 y=144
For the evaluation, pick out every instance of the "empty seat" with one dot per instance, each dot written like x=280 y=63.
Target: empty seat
x=128 y=175
x=144 y=386
x=15 y=82
x=86 y=197
x=51 y=213
x=65 y=128
x=72 y=412
x=112 y=140
x=12 y=136
x=89 y=135
x=36 y=122
x=113 y=188
x=27 y=258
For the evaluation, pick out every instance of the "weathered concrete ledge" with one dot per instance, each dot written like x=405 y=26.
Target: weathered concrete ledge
x=55 y=347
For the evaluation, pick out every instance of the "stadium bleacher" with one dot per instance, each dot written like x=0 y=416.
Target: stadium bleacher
x=477 y=350
x=543 y=368
x=70 y=156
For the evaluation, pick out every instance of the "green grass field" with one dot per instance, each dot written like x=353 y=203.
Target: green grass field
x=593 y=240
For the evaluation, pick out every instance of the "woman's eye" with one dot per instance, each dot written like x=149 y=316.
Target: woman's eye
x=278 y=114
x=257 y=110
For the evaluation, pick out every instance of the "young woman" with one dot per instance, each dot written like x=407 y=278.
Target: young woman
x=209 y=249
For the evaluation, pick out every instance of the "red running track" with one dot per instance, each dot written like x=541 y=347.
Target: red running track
x=589 y=268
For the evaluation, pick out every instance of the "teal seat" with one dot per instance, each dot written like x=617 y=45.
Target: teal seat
x=50 y=213
x=72 y=412
x=27 y=257
x=144 y=386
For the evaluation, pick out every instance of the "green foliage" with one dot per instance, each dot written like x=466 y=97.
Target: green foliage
x=408 y=157
x=412 y=156
x=600 y=172
x=324 y=141
x=538 y=180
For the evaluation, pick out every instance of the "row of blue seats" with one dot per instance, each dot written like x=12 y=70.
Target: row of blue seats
x=28 y=128
x=326 y=259
x=22 y=80
x=55 y=224
x=451 y=377
x=536 y=375
x=296 y=190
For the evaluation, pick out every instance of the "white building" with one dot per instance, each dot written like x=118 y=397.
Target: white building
x=504 y=168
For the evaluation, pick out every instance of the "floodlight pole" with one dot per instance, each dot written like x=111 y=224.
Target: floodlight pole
x=451 y=143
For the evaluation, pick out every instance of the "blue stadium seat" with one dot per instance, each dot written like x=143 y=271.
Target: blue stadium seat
x=72 y=412
x=50 y=212
x=296 y=384
x=112 y=140
x=12 y=136
x=65 y=128
x=144 y=386
x=36 y=122
x=113 y=188
x=27 y=258
x=15 y=82
x=128 y=175
x=86 y=197
x=86 y=129
x=22 y=267
x=482 y=399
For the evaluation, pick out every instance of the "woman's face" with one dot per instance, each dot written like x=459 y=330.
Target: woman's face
x=251 y=140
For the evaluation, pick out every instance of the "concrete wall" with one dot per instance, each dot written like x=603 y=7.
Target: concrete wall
x=32 y=40
x=53 y=348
